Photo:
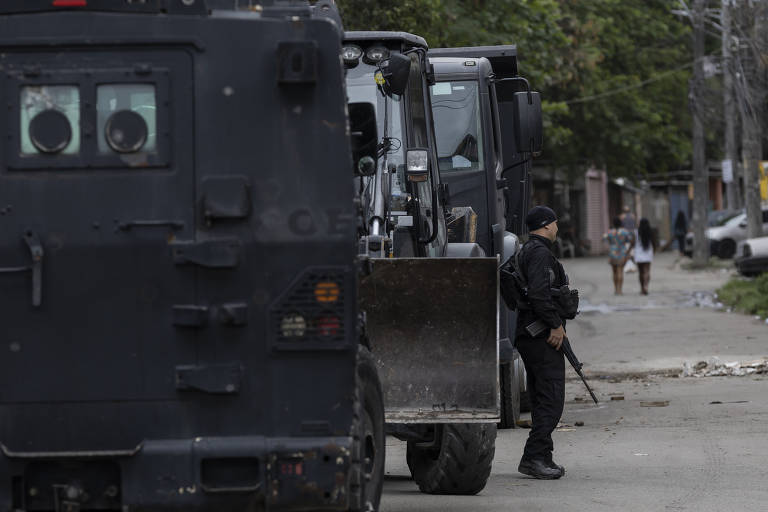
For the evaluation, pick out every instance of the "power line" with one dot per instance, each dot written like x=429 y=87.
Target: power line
x=638 y=85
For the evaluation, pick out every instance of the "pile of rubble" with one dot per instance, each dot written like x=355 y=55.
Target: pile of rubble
x=716 y=368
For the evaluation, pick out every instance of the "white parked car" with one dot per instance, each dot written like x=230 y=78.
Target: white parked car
x=724 y=240
x=753 y=258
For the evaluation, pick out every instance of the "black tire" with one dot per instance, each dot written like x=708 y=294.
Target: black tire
x=367 y=474
x=461 y=465
x=726 y=249
x=509 y=384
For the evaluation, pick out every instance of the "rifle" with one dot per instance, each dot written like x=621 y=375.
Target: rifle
x=536 y=328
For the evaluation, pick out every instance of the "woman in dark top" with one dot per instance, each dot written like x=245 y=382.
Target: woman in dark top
x=681 y=228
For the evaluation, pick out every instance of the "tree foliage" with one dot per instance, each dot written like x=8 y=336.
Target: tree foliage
x=613 y=73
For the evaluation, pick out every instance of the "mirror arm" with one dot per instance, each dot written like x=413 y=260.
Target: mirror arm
x=517 y=79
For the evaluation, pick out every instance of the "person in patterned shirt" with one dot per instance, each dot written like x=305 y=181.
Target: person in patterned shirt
x=619 y=242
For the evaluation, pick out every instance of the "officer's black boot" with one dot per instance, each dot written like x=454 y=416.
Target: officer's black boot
x=554 y=465
x=539 y=468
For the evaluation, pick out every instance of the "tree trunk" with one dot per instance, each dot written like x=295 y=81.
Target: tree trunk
x=700 y=175
x=733 y=192
x=752 y=113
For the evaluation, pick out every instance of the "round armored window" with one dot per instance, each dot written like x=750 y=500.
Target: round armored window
x=126 y=131
x=50 y=131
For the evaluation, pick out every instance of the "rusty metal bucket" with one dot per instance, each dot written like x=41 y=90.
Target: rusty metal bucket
x=433 y=328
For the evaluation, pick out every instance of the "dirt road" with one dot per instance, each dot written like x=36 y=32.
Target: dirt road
x=661 y=443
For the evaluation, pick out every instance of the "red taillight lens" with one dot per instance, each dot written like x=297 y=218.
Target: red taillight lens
x=70 y=3
x=328 y=325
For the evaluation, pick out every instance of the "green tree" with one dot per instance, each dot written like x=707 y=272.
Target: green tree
x=613 y=73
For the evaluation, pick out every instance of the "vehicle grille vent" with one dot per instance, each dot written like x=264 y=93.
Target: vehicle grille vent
x=312 y=310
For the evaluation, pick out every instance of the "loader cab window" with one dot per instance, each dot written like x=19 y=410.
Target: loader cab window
x=50 y=120
x=458 y=126
x=361 y=87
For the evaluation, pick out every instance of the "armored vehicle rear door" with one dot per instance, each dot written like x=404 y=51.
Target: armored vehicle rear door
x=96 y=185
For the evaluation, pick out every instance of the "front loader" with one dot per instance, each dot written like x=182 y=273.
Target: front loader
x=428 y=303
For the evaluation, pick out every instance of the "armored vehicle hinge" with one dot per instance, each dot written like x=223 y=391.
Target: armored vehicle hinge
x=224 y=253
x=36 y=251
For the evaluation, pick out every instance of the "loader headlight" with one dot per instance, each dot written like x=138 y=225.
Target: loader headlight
x=293 y=326
x=417 y=164
x=351 y=55
x=376 y=54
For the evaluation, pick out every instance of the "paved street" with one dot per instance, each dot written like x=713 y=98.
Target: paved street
x=661 y=444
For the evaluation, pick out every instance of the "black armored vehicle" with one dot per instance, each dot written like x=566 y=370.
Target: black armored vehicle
x=179 y=311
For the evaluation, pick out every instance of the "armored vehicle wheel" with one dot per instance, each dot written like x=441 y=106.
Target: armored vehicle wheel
x=509 y=381
x=367 y=475
x=461 y=463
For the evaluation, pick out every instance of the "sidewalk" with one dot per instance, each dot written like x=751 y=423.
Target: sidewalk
x=677 y=322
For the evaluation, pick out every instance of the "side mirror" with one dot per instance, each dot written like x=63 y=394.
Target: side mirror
x=364 y=137
x=528 y=122
x=396 y=70
x=743 y=224
x=417 y=164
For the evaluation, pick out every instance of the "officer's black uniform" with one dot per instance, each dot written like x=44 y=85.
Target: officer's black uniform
x=544 y=365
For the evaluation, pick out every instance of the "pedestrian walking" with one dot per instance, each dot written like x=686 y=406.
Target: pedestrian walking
x=628 y=220
x=619 y=241
x=645 y=247
x=681 y=229
x=544 y=363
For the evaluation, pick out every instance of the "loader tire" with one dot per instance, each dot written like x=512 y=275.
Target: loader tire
x=461 y=465
x=509 y=383
x=367 y=472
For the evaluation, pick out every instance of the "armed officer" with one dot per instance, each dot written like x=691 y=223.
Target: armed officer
x=544 y=362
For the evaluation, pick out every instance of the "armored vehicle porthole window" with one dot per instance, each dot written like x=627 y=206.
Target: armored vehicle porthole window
x=50 y=120
x=127 y=119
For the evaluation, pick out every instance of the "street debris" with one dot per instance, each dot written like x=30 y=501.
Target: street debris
x=717 y=368
x=618 y=397
x=579 y=423
x=658 y=403
x=718 y=402
x=641 y=454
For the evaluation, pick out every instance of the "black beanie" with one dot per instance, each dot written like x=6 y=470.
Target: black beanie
x=538 y=217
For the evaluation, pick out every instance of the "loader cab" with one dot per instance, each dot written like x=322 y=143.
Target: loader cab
x=390 y=71
x=478 y=99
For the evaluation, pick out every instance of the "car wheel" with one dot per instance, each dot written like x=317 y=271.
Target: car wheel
x=726 y=249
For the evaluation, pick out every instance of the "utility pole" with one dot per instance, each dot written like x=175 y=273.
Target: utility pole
x=752 y=112
x=700 y=174
x=733 y=192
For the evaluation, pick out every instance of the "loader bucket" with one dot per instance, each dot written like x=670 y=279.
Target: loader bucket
x=432 y=325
